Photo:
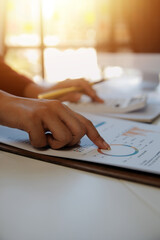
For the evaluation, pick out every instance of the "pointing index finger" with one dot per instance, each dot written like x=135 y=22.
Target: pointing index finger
x=93 y=134
x=95 y=137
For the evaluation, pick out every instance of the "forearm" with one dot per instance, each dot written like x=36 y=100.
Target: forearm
x=9 y=113
x=19 y=85
x=11 y=81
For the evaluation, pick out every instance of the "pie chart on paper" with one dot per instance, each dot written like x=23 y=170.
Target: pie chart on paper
x=119 y=150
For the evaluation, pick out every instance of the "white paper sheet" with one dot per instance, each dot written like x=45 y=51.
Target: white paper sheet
x=147 y=114
x=133 y=145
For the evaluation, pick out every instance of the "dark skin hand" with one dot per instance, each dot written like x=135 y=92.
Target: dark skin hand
x=32 y=90
x=36 y=117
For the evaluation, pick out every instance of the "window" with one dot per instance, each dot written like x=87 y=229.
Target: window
x=56 y=39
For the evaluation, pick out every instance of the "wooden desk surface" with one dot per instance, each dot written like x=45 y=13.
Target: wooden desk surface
x=44 y=201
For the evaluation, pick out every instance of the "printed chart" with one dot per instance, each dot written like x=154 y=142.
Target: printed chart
x=119 y=150
x=133 y=145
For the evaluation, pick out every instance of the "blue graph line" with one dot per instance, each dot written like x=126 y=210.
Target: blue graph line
x=100 y=124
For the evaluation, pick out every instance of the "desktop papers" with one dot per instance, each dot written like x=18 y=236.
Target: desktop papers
x=133 y=145
x=147 y=114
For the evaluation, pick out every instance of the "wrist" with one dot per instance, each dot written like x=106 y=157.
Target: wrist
x=11 y=110
x=32 y=90
x=5 y=100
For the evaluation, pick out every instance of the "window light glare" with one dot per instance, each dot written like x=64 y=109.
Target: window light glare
x=51 y=40
x=113 y=72
x=23 y=40
x=72 y=64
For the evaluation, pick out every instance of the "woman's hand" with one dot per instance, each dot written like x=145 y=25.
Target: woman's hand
x=75 y=97
x=38 y=117
x=32 y=90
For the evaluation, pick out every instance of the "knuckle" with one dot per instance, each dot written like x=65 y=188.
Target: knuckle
x=78 y=134
x=56 y=104
x=82 y=131
x=67 y=138
x=37 y=112
x=96 y=136
x=89 y=123
x=46 y=108
x=38 y=144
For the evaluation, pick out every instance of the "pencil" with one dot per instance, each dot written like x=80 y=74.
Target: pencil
x=61 y=92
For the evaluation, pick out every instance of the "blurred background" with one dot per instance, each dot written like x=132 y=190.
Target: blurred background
x=59 y=39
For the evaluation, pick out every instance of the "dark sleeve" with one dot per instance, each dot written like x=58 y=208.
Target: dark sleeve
x=11 y=81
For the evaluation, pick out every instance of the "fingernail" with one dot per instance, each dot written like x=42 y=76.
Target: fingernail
x=106 y=145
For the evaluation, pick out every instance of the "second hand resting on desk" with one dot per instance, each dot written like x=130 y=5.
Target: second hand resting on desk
x=110 y=105
x=61 y=92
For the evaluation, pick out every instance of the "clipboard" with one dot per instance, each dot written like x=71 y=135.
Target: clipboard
x=96 y=168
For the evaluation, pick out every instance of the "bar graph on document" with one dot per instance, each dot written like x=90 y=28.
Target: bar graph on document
x=133 y=145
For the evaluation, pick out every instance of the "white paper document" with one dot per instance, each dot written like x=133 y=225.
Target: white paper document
x=147 y=114
x=113 y=105
x=133 y=145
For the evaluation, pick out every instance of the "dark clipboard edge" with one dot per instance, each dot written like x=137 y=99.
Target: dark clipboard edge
x=106 y=170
